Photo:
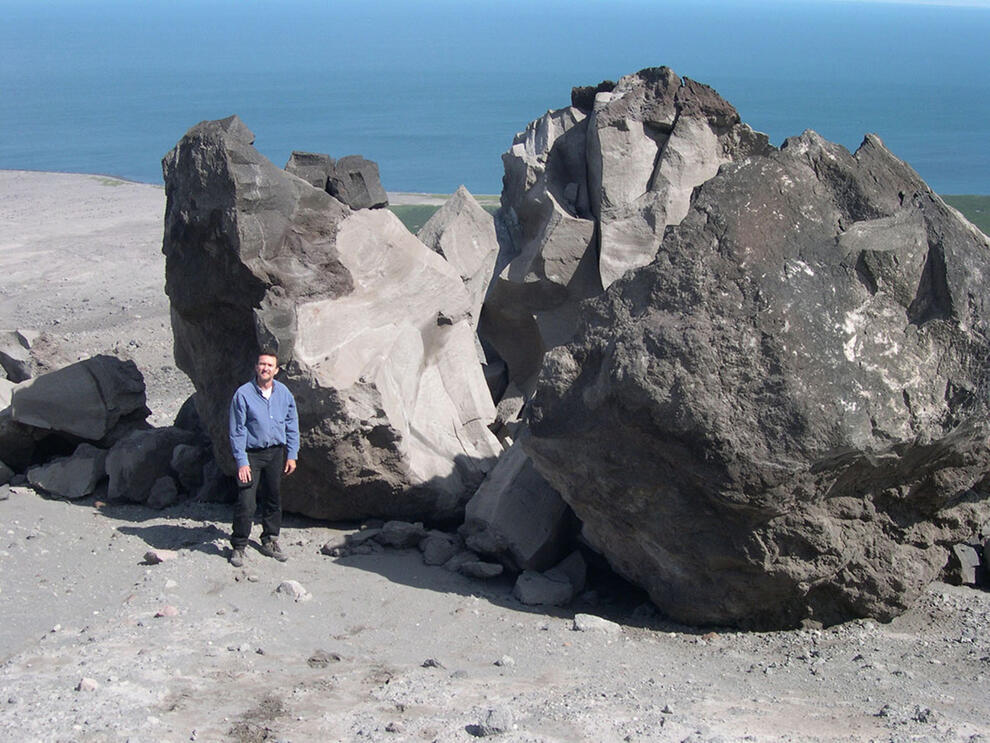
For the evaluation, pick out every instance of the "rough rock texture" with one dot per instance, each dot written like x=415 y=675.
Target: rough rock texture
x=516 y=517
x=139 y=460
x=355 y=181
x=783 y=416
x=71 y=477
x=587 y=194
x=373 y=331
x=86 y=399
x=313 y=167
x=464 y=234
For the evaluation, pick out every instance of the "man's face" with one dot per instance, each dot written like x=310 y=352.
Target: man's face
x=266 y=368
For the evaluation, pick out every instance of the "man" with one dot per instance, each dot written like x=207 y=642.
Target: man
x=264 y=437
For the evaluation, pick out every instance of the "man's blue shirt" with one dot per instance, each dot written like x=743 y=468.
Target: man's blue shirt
x=257 y=423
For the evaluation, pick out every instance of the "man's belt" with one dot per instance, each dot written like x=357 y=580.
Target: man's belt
x=256 y=449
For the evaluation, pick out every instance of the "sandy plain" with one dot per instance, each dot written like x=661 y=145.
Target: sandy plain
x=97 y=644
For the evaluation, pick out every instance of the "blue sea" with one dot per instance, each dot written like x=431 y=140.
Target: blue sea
x=435 y=90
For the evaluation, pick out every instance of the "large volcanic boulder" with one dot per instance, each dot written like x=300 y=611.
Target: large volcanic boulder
x=587 y=194
x=784 y=415
x=373 y=330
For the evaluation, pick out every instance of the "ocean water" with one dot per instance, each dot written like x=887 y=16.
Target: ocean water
x=435 y=90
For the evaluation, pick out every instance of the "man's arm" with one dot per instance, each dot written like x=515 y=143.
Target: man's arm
x=291 y=435
x=238 y=437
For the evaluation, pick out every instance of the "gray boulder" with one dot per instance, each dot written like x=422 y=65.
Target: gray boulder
x=373 y=330
x=86 y=399
x=783 y=416
x=355 y=181
x=71 y=477
x=136 y=462
x=516 y=517
x=313 y=167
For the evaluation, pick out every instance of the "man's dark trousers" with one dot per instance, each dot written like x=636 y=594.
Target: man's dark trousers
x=266 y=475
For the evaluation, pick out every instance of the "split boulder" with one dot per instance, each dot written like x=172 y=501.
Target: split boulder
x=372 y=328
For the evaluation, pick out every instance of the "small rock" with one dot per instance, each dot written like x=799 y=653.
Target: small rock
x=294 y=590
x=87 y=684
x=393 y=727
x=438 y=548
x=322 y=659
x=432 y=663
x=481 y=569
x=505 y=660
x=401 y=534
x=167 y=611
x=533 y=588
x=496 y=721
x=591 y=623
x=156 y=556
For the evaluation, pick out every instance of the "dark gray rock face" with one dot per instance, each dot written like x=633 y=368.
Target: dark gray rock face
x=355 y=181
x=372 y=328
x=313 y=167
x=86 y=399
x=138 y=461
x=784 y=415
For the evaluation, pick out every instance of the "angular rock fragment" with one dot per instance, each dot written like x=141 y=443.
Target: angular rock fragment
x=86 y=399
x=137 y=463
x=781 y=418
x=535 y=589
x=71 y=477
x=355 y=181
x=517 y=517
x=372 y=328
x=16 y=364
x=313 y=167
x=439 y=547
x=464 y=234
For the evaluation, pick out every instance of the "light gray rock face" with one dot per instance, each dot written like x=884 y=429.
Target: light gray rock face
x=516 y=517
x=6 y=392
x=86 y=399
x=588 y=192
x=373 y=330
x=651 y=140
x=355 y=181
x=136 y=462
x=464 y=234
x=71 y=477
x=783 y=416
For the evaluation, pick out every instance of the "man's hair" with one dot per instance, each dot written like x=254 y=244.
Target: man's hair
x=268 y=352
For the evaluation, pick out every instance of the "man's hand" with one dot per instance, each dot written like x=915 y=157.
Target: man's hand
x=290 y=466
x=244 y=474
